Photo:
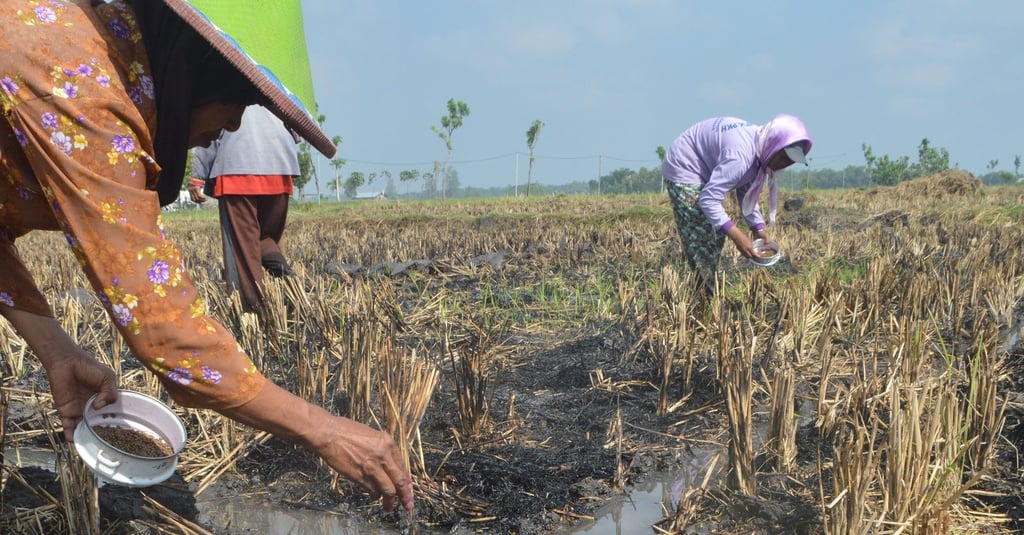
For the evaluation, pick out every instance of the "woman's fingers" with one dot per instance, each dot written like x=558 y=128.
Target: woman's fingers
x=366 y=456
x=69 y=424
x=389 y=482
x=402 y=480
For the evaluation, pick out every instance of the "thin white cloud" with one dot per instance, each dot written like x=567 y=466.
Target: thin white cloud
x=542 y=29
x=916 y=56
x=912 y=105
x=924 y=74
x=540 y=38
x=507 y=50
x=616 y=22
x=727 y=94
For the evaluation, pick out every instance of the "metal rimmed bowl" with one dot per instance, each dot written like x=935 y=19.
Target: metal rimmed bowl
x=770 y=251
x=139 y=414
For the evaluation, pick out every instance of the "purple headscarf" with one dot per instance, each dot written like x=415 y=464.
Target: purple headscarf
x=780 y=132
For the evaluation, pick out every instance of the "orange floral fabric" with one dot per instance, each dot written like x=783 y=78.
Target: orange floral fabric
x=76 y=147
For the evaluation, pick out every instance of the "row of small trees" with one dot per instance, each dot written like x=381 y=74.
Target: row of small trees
x=457 y=112
x=879 y=170
x=886 y=171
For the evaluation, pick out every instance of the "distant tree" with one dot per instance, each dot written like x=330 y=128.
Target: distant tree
x=410 y=175
x=930 y=160
x=389 y=189
x=336 y=185
x=645 y=180
x=997 y=177
x=436 y=173
x=1004 y=176
x=430 y=184
x=457 y=110
x=307 y=165
x=451 y=183
x=540 y=189
x=626 y=180
x=337 y=164
x=884 y=171
x=354 y=181
x=1016 y=167
x=660 y=151
x=383 y=176
x=531 y=143
x=824 y=178
x=320 y=118
x=306 y=169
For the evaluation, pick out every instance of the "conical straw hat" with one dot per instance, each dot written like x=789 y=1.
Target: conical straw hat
x=265 y=40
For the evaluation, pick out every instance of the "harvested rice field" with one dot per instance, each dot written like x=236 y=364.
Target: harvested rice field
x=539 y=357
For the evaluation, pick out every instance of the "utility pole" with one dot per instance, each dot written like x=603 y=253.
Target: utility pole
x=599 y=174
x=517 y=174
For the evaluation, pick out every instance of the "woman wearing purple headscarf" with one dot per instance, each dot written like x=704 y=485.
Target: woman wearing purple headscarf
x=719 y=155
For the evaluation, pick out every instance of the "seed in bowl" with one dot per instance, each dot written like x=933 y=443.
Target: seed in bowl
x=133 y=441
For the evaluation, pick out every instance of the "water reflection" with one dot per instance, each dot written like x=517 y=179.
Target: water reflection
x=28 y=456
x=633 y=514
x=646 y=504
x=254 y=515
x=651 y=501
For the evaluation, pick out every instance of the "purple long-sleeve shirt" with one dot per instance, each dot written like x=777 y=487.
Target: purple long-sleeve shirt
x=721 y=155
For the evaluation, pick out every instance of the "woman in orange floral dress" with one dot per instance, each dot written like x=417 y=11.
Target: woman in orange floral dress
x=82 y=89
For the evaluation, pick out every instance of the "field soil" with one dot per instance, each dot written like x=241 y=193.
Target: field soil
x=551 y=464
x=572 y=421
x=564 y=463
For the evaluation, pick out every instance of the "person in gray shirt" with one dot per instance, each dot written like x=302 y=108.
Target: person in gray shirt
x=249 y=172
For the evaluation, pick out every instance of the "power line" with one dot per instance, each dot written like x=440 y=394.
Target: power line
x=567 y=157
x=492 y=158
x=627 y=160
x=431 y=162
x=826 y=157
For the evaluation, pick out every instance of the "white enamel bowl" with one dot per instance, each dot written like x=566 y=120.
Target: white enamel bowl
x=143 y=414
x=770 y=251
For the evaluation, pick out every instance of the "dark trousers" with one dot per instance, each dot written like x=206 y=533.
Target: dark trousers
x=252 y=226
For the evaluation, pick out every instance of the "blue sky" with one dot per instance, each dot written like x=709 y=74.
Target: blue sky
x=617 y=78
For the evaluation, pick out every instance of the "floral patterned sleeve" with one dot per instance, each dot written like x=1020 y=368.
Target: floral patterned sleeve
x=75 y=155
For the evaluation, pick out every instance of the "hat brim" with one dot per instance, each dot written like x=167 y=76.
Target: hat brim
x=283 y=102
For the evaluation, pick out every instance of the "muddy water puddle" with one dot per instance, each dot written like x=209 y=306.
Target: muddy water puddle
x=255 y=515
x=645 y=504
x=635 y=513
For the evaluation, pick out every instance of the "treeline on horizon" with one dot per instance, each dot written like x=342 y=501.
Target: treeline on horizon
x=877 y=171
x=444 y=182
